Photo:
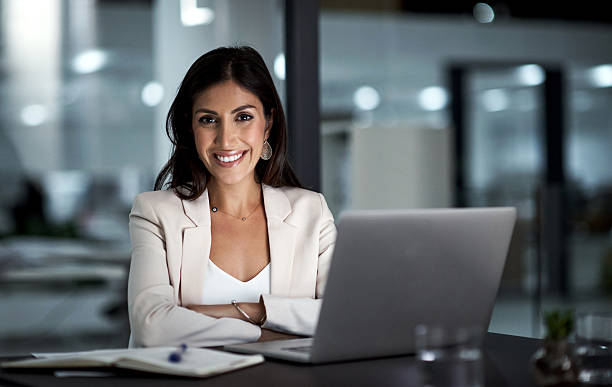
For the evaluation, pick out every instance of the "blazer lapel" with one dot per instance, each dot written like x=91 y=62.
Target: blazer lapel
x=196 y=249
x=281 y=237
x=197 y=241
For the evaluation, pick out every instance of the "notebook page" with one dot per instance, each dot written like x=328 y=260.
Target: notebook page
x=194 y=362
x=81 y=353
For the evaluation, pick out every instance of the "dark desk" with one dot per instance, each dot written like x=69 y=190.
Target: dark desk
x=506 y=363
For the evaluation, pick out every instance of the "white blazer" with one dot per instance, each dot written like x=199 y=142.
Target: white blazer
x=170 y=246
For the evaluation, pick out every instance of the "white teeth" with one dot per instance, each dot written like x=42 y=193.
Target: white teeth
x=229 y=159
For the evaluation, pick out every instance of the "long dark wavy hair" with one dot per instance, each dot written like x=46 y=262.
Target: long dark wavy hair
x=246 y=67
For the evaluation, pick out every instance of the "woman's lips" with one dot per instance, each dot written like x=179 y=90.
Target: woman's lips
x=230 y=157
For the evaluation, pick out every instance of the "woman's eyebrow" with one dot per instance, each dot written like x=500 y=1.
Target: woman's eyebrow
x=242 y=108
x=204 y=110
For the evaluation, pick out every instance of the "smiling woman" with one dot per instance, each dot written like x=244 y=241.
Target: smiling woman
x=230 y=128
x=233 y=248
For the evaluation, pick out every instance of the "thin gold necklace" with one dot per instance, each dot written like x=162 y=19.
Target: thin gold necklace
x=243 y=218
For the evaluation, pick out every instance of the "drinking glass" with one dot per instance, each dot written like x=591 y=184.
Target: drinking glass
x=593 y=351
x=449 y=356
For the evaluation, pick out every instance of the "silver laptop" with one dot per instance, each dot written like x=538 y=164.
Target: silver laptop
x=393 y=270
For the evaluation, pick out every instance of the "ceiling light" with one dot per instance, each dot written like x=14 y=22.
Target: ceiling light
x=601 y=76
x=483 y=13
x=279 y=66
x=531 y=75
x=433 y=98
x=192 y=15
x=34 y=115
x=366 y=98
x=152 y=94
x=89 y=61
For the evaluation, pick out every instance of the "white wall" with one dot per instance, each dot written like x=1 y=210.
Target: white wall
x=400 y=167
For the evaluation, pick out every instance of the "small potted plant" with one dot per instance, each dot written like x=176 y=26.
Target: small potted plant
x=552 y=364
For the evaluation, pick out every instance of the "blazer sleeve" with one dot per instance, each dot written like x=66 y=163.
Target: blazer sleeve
x=299 y=315
x=156 y=319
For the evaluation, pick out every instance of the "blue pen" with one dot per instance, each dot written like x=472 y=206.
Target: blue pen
x=176 y=356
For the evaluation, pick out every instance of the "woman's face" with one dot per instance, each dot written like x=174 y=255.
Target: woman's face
x=229 y=126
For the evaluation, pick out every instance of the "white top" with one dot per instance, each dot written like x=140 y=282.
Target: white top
x=221 y=288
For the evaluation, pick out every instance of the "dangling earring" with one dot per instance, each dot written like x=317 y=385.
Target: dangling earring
x=266 y=152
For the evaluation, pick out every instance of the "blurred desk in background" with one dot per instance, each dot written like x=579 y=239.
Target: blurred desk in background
x=68 y=294
x=33 y=249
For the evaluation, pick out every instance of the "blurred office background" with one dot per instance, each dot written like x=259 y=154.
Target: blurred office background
x=420 y=106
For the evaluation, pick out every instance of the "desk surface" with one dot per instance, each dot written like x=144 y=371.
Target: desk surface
x=506 y=363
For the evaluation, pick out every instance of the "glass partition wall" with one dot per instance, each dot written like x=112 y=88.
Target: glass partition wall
x=587 y=146
x=77 y=107
x=534 y=134
x=503 y=159
x=84 y=89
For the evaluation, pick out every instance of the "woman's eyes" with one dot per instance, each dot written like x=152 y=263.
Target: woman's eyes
x=244 y=117
x=209 y=120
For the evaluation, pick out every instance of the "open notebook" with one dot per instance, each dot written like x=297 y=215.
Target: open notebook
x=194 y=362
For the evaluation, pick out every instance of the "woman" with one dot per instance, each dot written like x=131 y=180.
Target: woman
x=234 y=248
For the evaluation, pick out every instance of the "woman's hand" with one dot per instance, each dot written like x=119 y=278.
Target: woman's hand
x=268 y=335
x=255 y=310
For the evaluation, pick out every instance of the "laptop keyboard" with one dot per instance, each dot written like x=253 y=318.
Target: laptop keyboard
x=304 y=349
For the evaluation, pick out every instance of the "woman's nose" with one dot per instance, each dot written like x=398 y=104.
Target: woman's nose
x=225 y=134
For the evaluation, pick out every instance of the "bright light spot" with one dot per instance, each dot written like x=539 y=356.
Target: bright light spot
x=433 y=98
x=89 y=61
x=152 y=94
x=427 y=356
x=495 y=100
x=34 y=115
x=601 y=76
x=531 y=75
x=279 y=66
x=483 y=13
x=366 y=98
x=191 y=15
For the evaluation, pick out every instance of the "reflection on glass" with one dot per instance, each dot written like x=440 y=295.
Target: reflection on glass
x=504 y=161
x=589 y=140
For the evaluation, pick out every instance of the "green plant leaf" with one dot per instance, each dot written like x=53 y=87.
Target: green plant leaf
x=559 y=324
